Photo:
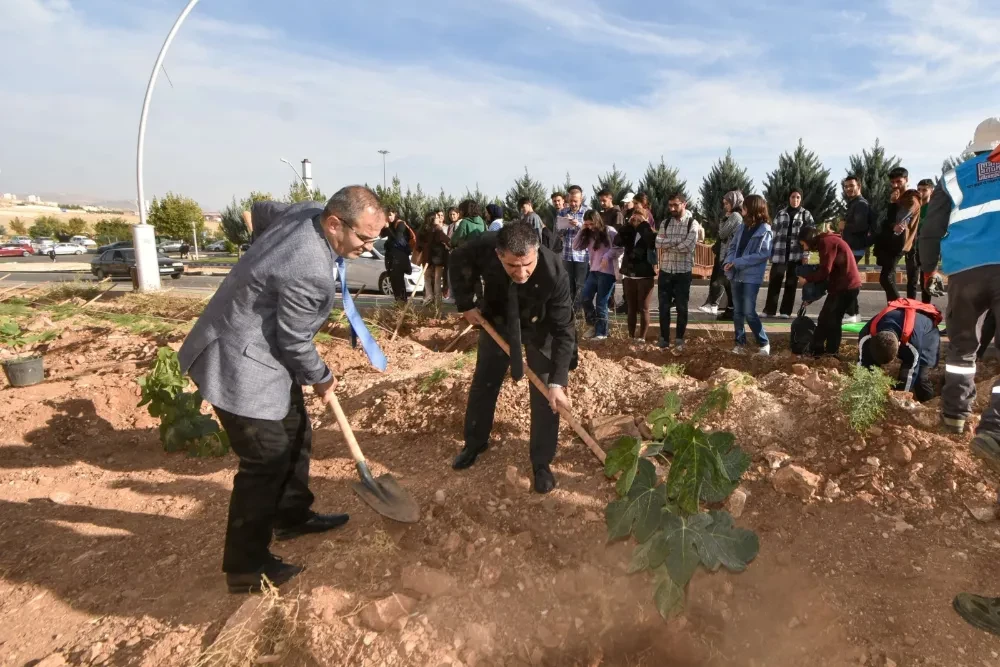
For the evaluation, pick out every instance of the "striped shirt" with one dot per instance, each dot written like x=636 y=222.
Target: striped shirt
x=675 y=244
x=569 y=232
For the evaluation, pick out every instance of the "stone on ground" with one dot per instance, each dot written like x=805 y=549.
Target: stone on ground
x=796 y=481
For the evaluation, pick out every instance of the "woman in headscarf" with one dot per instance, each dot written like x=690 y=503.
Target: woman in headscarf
x=732 y=207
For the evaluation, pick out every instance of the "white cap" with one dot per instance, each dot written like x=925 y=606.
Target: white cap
x=987 y=136
x=627 y=199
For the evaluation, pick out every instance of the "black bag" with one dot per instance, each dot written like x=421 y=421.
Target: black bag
x=803 y=330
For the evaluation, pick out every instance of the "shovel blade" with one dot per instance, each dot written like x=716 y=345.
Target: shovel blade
x=389 y=499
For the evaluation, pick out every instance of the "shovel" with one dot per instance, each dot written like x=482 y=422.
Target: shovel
x=383 y=493
x=540 y=386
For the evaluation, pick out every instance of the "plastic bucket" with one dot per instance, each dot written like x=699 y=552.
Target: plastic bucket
x=24 y=372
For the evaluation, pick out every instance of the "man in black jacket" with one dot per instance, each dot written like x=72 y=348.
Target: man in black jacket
x=858 y=229
x=397 y=253
x=527 y=297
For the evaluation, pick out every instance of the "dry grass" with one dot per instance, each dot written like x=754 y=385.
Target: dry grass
x=267 y=635
x=369 y=554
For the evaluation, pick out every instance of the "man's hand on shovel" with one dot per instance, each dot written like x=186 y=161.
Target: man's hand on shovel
x=325 y=389
x=559 y=400
x=474 y=317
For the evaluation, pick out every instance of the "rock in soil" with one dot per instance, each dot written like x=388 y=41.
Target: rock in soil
x=381 y=614
x=982 y=513
x=60 y=497
x=327 y=602
x=54 y=660
x=800 y=369
x=900 y=453
x=736 y=502
x=776 y=458
x=796 y=481
x=428 y=581
x=609 y=429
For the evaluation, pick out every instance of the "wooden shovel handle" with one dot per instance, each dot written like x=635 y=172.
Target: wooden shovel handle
x=540 y=386
x=345 y=428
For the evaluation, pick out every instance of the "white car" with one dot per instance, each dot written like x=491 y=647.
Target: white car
x=216 y=246
x=368 y=270
x=65 y=249
x=84 y=241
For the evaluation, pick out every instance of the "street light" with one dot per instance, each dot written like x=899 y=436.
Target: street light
x=290 y=166
x=194 y=230
x=384 y=152
x=143 y=236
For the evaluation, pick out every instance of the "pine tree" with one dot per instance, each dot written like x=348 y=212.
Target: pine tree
x=616 y=182
x=951 y=161
x=443 y=202
x=390 y=197
x=726 y=175
x=526 y=186
x=298 y=192
x=413 y=207
x=872 y=169
x=659 y=182
x=233 y=228
x=802 y=169
x=480 y=198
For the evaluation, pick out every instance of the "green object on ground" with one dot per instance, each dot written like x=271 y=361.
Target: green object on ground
x=853 y=327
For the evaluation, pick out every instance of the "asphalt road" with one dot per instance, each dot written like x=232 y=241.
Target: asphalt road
x=871 y=301
x=87 y=257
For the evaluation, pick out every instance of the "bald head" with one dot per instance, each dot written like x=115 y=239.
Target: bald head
x=352 y=220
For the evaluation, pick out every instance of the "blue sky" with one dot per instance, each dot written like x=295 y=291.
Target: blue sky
x=467 y=93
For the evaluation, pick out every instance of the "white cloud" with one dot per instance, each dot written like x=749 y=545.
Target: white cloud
x=239 y=104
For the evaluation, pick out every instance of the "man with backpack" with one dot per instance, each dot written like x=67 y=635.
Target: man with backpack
x=675 y=244
x=907 y=330
x=400 y=241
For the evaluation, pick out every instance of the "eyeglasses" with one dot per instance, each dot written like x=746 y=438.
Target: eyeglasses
x=364 y=240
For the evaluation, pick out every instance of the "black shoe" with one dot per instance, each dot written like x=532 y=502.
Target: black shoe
x=466 y=458
x=544 y=480
x=316 y=523
x=276 y=572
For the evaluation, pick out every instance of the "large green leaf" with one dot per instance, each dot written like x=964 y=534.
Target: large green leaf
x=726 y=545
x=674 y=545
x=663 y=419
x=623 y=458
x=640 y=557
x=695 y=460
x=639 y=512
x=735 y=461
x=668 y=596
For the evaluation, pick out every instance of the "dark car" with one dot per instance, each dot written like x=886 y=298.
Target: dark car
x=112 y=246
x=118 y=262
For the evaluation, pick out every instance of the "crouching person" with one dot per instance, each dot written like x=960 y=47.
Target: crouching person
x=908 y=330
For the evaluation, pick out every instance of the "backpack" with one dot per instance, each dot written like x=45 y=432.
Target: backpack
x=803 y=330
x=910 y=308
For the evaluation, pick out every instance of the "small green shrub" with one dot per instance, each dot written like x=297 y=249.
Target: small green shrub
x=675 y=535
x=433 y=379
x=672 y=370
x=182 y=424
x=864 y=396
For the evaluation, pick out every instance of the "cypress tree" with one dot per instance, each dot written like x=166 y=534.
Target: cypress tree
x=616 y=182
x=802 y=169
x=526 y=186
x=726 y=175
x=659 y=182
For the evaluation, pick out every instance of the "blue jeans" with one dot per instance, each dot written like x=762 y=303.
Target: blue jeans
x=745 y=312
x=674 y=289
x=601 y=285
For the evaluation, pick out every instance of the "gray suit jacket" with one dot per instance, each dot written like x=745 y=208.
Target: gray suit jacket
x=255 y=337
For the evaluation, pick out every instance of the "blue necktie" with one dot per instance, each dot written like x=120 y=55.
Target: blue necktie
x=368 y=344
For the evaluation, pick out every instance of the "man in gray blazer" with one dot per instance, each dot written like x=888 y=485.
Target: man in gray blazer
x=250 y=353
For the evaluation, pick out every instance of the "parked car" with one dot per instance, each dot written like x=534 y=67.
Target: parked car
x=118 y=262
x=41 y=244
x=63 y=249
x=85 y=241
x=114 y=246
x=14 y=250
x=20 y=240
x=217 y=246
x=169 y=246
x=369 y=270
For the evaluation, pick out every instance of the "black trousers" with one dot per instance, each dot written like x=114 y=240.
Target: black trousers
x=987 y=334
x=718 y=283
x=491 y=367
x=577 y=272
x=828 y=333
x=397 y=278
x=782 y=274
x=887 y=279
x=271 y=487
x=915 y=277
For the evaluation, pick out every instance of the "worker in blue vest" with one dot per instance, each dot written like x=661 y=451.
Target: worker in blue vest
x=962 y=230
x=907 y=330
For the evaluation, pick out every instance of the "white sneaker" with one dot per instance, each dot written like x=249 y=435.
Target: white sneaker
x=782 y=316
x=739 y=349
x=599 y=338
x=765 y=351
x=711 y=310
x=852 y=319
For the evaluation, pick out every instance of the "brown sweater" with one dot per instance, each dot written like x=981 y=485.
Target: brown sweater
x=888 y=244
